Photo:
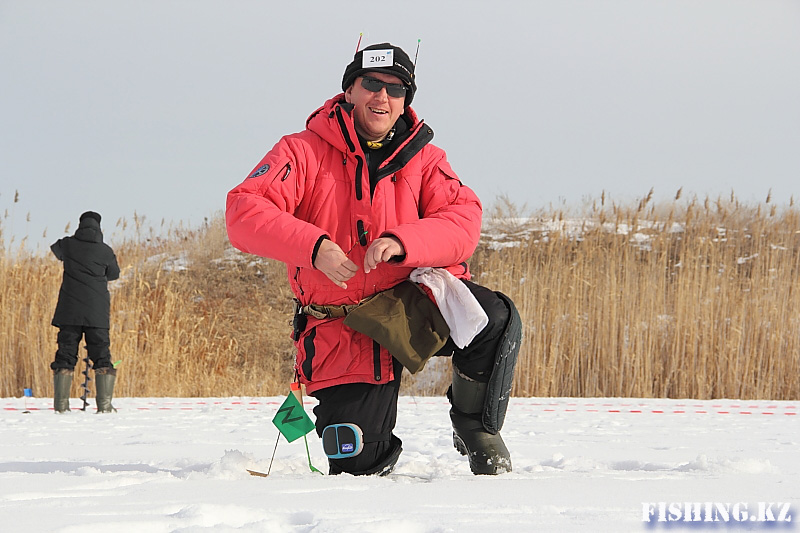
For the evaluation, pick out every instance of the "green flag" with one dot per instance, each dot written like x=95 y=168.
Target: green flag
x=292 y=420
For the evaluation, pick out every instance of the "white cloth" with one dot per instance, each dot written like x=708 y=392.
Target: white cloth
x=459 y=307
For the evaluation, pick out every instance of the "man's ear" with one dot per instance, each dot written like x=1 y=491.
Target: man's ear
x=347 y=96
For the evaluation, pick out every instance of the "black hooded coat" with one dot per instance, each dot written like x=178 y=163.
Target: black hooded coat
x=89 y=264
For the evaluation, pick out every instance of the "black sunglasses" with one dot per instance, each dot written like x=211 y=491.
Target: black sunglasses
x=395 y=90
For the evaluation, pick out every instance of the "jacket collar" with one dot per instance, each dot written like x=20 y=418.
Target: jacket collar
x=333 y=121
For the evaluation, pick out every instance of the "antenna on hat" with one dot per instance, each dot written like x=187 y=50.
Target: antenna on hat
x=417 y=54
x=360 y=35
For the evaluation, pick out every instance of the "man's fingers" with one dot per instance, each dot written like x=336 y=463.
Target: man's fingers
x=350 y=267
x=387 y=254
x=380 y=251
x=335 y=264
x=338 y=279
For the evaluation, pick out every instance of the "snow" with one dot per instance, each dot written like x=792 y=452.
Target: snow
x=179 y=465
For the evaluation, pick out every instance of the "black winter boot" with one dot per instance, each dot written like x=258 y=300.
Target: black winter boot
x=62 y=382
x=487 y=453
x=104 y=381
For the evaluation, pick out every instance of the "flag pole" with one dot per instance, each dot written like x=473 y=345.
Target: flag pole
x=308 y=454
x=273 y=453
x=298 y=393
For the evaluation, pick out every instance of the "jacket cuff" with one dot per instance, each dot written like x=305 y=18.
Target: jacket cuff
x=316 y=248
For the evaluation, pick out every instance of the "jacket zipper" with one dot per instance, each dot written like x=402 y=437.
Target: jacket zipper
x=352 y=147
x=359 y=177
x=297 y=280
x=362 y=234
x=343 y=127
x=376 y=359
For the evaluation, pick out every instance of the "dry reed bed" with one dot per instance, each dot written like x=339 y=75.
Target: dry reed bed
x=629 y=309
x=216 y=328
x=687 y=300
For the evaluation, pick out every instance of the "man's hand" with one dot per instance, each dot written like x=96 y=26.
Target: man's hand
x=381 y=250
x=333 y=262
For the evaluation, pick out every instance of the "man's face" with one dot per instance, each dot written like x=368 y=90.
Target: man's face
x=374 y=113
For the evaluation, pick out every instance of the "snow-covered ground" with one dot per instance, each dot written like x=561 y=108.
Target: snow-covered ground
x=179 y=465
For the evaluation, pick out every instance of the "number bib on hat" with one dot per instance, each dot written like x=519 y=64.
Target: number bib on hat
x=377 y=59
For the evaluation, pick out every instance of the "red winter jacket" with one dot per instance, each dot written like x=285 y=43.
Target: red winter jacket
x=315 y=183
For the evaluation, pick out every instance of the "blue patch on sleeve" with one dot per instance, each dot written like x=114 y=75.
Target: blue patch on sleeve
x=260 y=171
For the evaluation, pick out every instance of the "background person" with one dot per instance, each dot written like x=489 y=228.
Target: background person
x=83 y=311
x=353 y=204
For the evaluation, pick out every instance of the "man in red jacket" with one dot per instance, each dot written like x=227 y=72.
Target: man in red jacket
x=353 y=204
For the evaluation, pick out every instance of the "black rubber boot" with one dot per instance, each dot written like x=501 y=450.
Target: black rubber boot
x=62 y=382
x=487 y=453
x=104 y=381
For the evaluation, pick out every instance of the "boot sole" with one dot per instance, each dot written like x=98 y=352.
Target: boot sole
x=477 y=468
x=459 y=444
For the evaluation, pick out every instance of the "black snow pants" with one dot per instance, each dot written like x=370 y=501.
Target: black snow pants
x=97 y=346
x=374 y=407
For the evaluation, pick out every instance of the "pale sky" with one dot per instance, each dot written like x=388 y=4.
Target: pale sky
x=161 y=107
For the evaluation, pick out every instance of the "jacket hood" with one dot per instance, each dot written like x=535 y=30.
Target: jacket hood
x=324 y=121
x=89 y=231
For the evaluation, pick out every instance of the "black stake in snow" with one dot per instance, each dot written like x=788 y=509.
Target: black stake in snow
x=86 y=380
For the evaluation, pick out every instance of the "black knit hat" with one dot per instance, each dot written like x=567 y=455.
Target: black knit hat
x=403 y=68
x=90 y=214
